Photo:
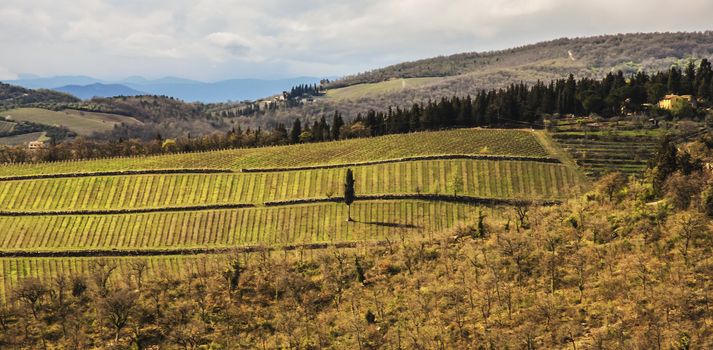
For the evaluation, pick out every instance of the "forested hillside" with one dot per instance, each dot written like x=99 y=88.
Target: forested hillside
x=588 y=56
x=13 y=96
x=469 y=73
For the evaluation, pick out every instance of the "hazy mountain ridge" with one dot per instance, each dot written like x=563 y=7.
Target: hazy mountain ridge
x=184 y=89
x=99 y=90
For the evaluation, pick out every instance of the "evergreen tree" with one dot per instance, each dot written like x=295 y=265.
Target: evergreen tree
x=666 y=164
x=296 y=131
x=337 y=123
x=349 y=195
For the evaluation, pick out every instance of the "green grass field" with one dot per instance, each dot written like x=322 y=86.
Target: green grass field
x=354 y=92
x=83 y=123
x=462 y=141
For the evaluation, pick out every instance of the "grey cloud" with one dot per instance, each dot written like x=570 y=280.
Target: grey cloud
x=212 y=39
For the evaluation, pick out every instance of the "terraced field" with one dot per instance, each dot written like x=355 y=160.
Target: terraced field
x=605 y=149
x=321 y=222
x=476 y=178
x=410 y=184
x=6 y=126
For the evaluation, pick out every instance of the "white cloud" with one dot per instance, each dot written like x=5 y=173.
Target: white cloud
x=231 y=42
x=209 y=39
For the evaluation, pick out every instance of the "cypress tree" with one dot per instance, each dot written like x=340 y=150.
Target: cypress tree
x=349 y=196
x=296 y=131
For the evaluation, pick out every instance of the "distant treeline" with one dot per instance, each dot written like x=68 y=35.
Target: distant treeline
x=518 y=105
x=305 y=89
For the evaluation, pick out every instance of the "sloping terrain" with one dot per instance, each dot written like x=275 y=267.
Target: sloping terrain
x=468 y=73
x=82 y=123
x=14 y=96
x=23 y=139
x=408 y=183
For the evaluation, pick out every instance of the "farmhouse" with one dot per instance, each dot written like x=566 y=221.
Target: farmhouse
x=668 y=101
x=36 y=145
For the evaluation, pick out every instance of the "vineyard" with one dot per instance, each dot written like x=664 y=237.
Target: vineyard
x=601 y=148
x=6 y=127
x=15 y=269
x=475 y=178
x=322 y=222
x=463 y=141
x=210 y=202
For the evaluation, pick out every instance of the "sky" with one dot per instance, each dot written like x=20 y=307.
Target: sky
x=222 y=39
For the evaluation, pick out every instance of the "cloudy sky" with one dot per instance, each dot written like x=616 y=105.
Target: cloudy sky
x=220 y=39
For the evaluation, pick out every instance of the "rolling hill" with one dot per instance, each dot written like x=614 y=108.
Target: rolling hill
x=468 y=73
x=276 y=196
x=13 y=96
x=80 y=122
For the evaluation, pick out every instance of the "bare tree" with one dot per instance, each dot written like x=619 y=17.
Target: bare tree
x=31 y=292
x=138 y=269
x=117 y=307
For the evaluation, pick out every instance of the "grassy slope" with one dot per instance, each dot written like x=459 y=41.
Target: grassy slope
x=462 y=141
x=83 y=123
x=361 y=90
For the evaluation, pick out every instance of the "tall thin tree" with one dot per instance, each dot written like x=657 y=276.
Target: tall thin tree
x=349 y=193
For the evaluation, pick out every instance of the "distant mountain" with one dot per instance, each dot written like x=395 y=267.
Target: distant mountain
x=221 y=91
x=35 y=82
x=99 y=90
x=185 y=89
